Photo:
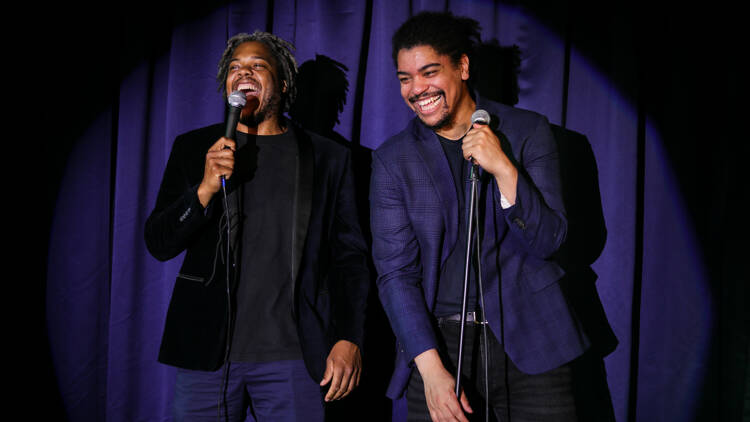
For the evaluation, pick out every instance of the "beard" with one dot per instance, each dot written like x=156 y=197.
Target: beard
x=444 y=121
x=268 y=108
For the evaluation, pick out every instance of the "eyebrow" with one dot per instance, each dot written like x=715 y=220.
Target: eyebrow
x=235 y=59
x=421 y=69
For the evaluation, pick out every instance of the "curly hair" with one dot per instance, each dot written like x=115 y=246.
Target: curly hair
x=281 y=51
x=447 y=34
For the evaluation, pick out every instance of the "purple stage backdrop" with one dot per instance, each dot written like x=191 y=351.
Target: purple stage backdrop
x=107 y=297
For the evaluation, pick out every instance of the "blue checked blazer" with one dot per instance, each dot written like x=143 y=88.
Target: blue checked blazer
x=414 y=217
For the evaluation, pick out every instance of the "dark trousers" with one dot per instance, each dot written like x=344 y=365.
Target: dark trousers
x=513 y=395
x=265 y=391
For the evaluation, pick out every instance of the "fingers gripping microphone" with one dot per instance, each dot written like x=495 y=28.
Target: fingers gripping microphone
x=236 y=101
x=483 y=118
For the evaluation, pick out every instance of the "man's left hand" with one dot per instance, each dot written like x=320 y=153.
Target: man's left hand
x=483 y=146
x=343 y=368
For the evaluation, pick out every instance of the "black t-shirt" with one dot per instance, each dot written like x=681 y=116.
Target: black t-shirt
x=451 y=283
x=264 y=328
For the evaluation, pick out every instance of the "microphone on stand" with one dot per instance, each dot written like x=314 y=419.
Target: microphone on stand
x=483 y=118
x=472 y=233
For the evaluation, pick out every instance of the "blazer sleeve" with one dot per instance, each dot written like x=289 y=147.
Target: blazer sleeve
x=537 y=219
x=397 y=260
x=178 y=214
x=350 y=261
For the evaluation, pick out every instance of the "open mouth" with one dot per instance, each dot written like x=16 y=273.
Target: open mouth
x=249 y=88
x=429 y=103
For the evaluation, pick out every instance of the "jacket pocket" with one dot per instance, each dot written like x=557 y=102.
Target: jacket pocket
x=540 y=274
x=195 y=278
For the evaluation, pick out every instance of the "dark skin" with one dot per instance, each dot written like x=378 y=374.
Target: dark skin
x=253 y=71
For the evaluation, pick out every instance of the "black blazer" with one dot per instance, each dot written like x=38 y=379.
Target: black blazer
x=329 y=263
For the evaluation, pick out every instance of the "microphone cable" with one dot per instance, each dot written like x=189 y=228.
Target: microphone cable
x=222 y=404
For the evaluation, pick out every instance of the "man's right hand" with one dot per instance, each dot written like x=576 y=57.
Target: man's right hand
x=219 y=162
x=439 y=389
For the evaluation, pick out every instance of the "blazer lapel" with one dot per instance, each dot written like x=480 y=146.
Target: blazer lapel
x=303 y=193
x=433 y=156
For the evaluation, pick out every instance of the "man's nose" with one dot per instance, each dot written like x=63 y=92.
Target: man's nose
x=245 y=70
x=419 y=86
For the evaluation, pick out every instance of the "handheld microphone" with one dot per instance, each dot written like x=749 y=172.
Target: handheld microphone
x=236 y=101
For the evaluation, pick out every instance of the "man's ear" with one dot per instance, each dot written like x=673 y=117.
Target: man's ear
x=283 y=86
x=464 y=65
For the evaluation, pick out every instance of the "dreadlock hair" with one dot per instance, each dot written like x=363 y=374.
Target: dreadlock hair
x=447 y=34
x=281 y=51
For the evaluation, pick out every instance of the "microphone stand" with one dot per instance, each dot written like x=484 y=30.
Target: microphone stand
x=467 y=265
x=473 y=231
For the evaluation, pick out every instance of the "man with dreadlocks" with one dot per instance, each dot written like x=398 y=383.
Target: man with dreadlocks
x=419 y=208
x=273 y=328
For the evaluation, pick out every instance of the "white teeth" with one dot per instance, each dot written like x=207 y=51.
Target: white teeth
x=245 y=86
x=428 y=102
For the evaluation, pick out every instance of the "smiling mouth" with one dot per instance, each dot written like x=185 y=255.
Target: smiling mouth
x=249 y=88
x=426 y=104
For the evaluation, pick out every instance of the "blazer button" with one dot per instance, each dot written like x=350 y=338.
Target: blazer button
x=519 y=223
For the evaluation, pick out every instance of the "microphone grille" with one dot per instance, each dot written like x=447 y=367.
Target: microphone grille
x=480 y=116
x=237 y=99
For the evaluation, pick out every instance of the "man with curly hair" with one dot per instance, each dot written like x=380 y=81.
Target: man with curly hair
x=419 y=199
x=266 y=320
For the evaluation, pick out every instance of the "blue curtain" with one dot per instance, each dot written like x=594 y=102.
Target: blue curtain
x=624 y=81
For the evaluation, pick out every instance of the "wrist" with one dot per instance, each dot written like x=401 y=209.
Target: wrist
x=204 y=195
x=506 y=171
x=507 y=184
x=428 y=362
